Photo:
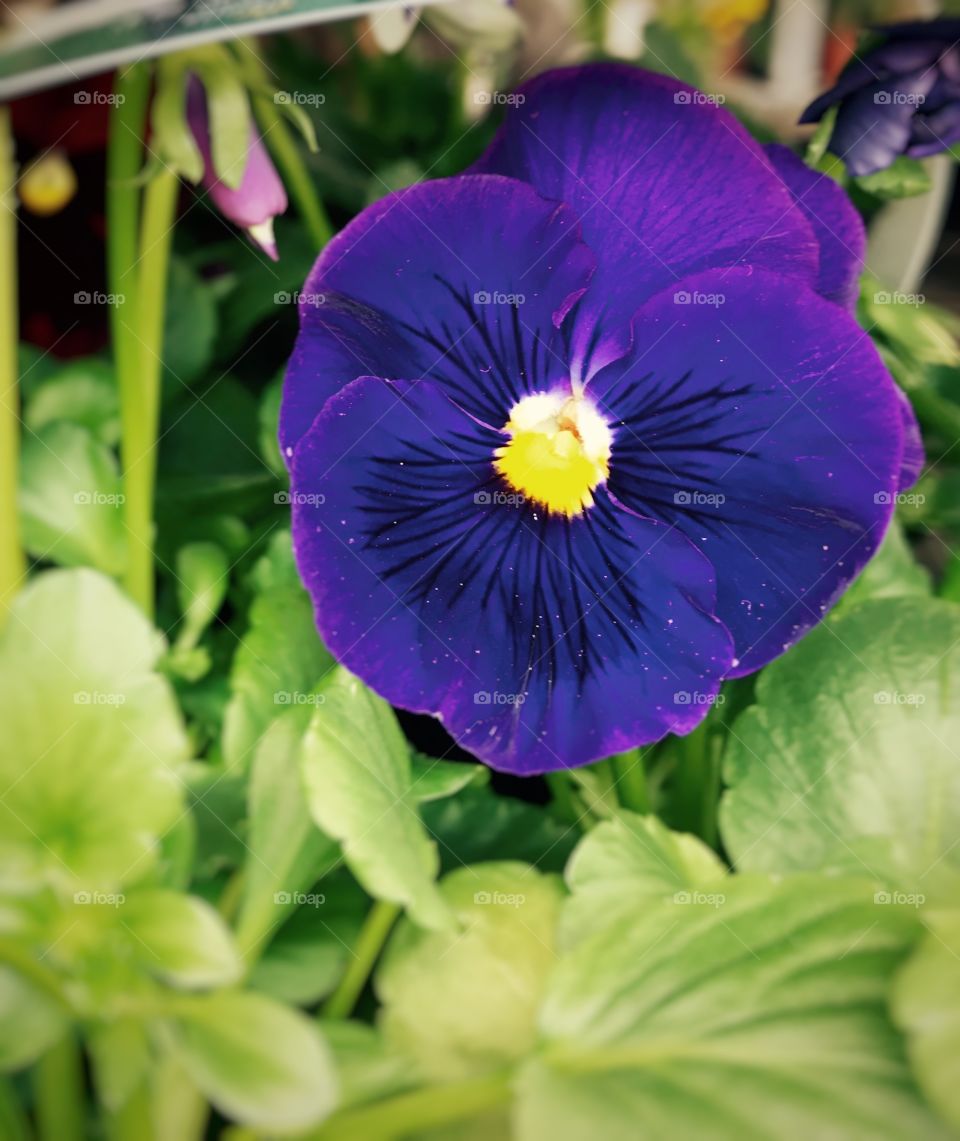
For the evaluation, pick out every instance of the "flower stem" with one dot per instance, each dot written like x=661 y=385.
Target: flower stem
x=370 y=941
x=13 y=1121
x=696 y=788
x=58 y=1090
x=412 y=1113
x=142 y=399
x=12 y=561
x=631 y=780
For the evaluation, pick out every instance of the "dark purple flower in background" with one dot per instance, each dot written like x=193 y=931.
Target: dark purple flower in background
x=577 y=435
x=902 y=97
x=259 y=198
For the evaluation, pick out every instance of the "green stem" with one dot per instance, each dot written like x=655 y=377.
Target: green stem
x=124 y=161
x=132 y=1121
x=32 y=970
x=696 y=786
x=13 y=565
x=59 y=1093
x=563 y=797
x=142 y=400
x=370 y=941
x=411 y=1113
x=631 y=781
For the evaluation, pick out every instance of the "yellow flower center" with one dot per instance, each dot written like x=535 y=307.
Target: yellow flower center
x=558 y=452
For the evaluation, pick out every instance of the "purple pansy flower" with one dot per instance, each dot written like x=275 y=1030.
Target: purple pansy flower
x=902 y=97
x=259 y=198
x=577 y=435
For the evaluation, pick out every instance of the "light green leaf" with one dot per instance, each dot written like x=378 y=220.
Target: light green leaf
x=71 y=503
x=258 y=1062
x=180 y=938
x=761 y=1017
x=368 y=1068
x=359 y=783
x=81 y=392
x=120 y=1053
x=203 y=575
x=846 y=761
x=903 y=178
x=434 y=779
x=893 y=571
x=280 y=659
x=624 y=863
x=91 y=740
x=926 y=1007
x=464 y=1002
x=30 y=1020
x=286 y=852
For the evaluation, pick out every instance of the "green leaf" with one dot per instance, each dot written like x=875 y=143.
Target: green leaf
x=120 y=1054
x=71 y=503
x=31 y=1021
x=203 y=575
x=286 y=852
x=180 y=938
x=306 y=959
x=359 y=783
x=91 y=740
x=893 y=571
x=903 y=178
x=763 y=1017
x=368 y=1068
x=627 y=862
x=846 y=759
x=926 y=1007
x=258 y=1062
x=464 y=1002
x=82 y=392
x=434 y=779
x=280 y=659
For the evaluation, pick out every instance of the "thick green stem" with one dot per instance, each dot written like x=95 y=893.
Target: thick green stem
x=12 y=562
x=13 y=1120
x=124 y=161
x=696 y=786
x=142 y=400
x=631 y=782
x=370 y=941
x=59 y=1093
x=412 y=1113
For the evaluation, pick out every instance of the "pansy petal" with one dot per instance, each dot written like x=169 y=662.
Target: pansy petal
x=758 y=418
x=539 y=641
x=836 y=223
x=874 y=126
x=464 y=281
x=664 y=182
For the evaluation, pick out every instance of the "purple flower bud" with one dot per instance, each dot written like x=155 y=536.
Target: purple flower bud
x=259 y=198
x=900 y=98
